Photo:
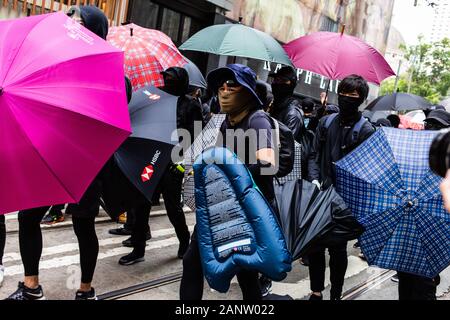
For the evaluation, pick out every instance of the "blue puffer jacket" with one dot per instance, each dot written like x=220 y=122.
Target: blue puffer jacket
x=236 y=226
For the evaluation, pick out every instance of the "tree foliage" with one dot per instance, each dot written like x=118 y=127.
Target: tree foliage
x=429 y=71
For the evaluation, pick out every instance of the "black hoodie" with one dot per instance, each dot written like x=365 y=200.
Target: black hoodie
x=189 y=109
x=95 y=20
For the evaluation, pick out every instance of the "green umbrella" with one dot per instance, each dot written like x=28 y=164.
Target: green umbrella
x=237 y=40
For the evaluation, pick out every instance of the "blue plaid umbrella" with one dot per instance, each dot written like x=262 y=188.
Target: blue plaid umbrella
x=391 y=191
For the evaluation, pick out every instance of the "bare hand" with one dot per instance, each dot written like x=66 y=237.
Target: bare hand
x=445 y=190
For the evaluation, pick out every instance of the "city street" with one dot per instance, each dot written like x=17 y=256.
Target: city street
x=158 y=276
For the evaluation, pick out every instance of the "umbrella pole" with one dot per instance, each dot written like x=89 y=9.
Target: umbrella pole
x=324 y=103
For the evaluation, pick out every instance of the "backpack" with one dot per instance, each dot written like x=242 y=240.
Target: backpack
x=355 y=130
x=285 y=142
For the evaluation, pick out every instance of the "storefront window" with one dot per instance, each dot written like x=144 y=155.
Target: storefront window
x=145 y=14
x=170 y=23
x=186 y=29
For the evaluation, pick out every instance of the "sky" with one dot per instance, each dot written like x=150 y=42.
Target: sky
x=412 y=20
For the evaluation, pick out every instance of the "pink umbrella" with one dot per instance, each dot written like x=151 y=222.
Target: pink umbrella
x=337 y=55
x=63 y=110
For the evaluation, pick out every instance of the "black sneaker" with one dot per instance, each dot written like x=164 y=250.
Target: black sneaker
x=265 y=285
x=83 y=295
x=130 y=259
x=120 y=232
x=314 y=297
x=25 y=293
x=129 y=242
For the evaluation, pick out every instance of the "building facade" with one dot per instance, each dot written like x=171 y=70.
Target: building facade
x=115 y=10
x=440 y=27
x=285 y=20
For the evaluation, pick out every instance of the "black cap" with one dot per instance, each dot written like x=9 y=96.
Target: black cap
x=441 y=116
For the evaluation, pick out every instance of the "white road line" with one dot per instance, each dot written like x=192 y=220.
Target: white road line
x=15 y=256
x=186 y=209
x=301 y=289
x=75 y=259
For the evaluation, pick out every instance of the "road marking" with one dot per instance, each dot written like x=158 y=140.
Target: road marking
x=301 y=289
x=75 y=259
x=186 y=209
x=15 y=256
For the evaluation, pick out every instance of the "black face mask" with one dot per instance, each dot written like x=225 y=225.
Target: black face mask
x=281 y=91
x=173 y=87
x=349 y=106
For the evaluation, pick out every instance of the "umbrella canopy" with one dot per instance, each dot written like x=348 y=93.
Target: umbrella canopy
x=196 y=78
x=61 y=114
x=311 y=218
x=237 y=40
x=147 y=53
x=389 y=187
x=336 y=56
x=399 y=102
x=144 y=156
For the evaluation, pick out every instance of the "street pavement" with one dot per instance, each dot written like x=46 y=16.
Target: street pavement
x=60 y=271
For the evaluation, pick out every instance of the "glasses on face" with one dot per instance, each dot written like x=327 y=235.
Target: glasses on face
x=229 y=85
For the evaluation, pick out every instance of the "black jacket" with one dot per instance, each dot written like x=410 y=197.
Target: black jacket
x=331 y=145
x=289 y=113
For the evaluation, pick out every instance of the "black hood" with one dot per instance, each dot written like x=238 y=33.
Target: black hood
x=180 y=84
x=95 y=20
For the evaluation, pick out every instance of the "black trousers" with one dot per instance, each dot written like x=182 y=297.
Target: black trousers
x=191 y=287
x=413 y=287
x=30 y=242
x=2 y=237
x=170 y=187
x=140 y=226
x=83 y=219
x=338 y=267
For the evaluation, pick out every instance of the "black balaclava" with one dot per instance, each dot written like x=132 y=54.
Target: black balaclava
x=95 y=20
x=348 y=108
x=281 y=91
x=179 y=85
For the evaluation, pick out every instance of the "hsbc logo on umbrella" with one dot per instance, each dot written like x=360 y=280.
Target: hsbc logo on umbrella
x=148 y=171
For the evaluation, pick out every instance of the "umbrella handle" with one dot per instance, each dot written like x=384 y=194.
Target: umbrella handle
x=131 y=32
x=343 y=29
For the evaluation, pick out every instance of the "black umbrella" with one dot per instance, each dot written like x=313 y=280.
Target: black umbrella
x=196 y=78
x=144 y=156
x=399 y=101
x=312 y=218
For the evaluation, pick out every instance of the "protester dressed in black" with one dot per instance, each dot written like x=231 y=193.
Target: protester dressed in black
x=332 y=142
x=239 y=101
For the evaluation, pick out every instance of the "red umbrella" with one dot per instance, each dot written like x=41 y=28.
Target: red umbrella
x=337 y=55
x=147 y=53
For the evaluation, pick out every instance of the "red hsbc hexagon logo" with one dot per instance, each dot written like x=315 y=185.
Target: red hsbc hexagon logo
x=147 y=173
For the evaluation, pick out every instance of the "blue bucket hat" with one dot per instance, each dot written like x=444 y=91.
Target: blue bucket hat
x=243 y=75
